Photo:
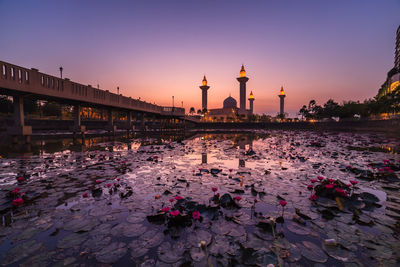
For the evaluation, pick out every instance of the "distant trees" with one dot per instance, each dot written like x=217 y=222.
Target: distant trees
x=389 y=103
x=191 y=111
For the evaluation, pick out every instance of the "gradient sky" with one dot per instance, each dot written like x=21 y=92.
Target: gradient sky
x=158 y=49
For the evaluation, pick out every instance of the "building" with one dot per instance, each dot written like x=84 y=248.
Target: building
x=392 y=82
x=229 y=111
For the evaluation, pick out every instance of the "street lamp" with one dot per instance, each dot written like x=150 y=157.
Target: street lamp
x=61 y=69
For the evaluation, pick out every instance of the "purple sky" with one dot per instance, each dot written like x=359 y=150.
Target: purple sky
x=159 y=49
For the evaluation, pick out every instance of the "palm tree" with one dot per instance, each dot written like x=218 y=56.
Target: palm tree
x=192 y=110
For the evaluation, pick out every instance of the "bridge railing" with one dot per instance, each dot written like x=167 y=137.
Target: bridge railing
x=18 y=78
x=174 y=111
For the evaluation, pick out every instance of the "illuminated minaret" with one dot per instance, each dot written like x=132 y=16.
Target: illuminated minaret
x=242 y=80
x=251 y=100
x=282 y=97
x=204 y=87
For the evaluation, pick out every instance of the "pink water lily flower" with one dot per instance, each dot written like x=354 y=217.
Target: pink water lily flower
x=196 y=215
x=331 y=180
x=171 y=200
x=178 y=197
x=313 y=197
x=214 y=189
x=16 y=190
x=165 y=209
x=237 y=198
x=98 y=181
x=108 y=185
x=20 y=179
x=85 y=195
x=329 y=186
x=310 y=186
x=313 y=181
x=353 y=182
x=18 y=201
x=320 y=178
x=282 y=203
x=339 y=190
x=174 y=213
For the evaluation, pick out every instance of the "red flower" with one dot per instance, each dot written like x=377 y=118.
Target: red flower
x=157 y=196
x=18 y=201
x=329 y=186
x=348 y=185
x=214 y=189
x=313 y=197
x=282 y=203
x=117 y=179
x=348 y=166
x=171 y=200
x=174 y=213
x=165 y=209
x=313 y=181
x=108 y=185
x=178 y=197
x=85 y=195
x=309 y=186
x=353 y=182
x=20 y=179
x=255 y=200
x=230 y=170
x=331 y=180
x=320 y=178
x=196 y=215
x=98 y=181
x=339 y=190
x=237 y=198
x=16 y=190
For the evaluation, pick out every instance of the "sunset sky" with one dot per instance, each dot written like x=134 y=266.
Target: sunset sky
x=159 y=49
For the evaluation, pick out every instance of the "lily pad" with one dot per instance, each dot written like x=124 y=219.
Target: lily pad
x=112 y=253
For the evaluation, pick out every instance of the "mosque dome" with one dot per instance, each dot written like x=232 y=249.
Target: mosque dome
x=230 y=102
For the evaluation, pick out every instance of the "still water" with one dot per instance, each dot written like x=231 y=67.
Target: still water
x=227 y=200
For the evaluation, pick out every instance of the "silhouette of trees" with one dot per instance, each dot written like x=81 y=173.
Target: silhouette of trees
x=191 y=111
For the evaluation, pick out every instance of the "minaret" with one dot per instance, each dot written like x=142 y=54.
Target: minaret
x=282 y=106
x=204 y=87
x=251 y=100
x=242 y=80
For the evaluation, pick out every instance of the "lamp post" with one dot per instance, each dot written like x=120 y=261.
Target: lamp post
x=61 y=69
x=118 y=90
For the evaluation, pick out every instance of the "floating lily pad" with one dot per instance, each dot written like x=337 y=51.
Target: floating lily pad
x=312 y=252
x=112 y=253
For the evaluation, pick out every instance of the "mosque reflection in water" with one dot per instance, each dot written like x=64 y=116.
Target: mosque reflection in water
x=241 y=141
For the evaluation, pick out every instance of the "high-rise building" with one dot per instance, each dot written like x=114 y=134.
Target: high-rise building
x=397 y=50
x=392 y=82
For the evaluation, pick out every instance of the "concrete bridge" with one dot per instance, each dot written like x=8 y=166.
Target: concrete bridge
x=20 y=82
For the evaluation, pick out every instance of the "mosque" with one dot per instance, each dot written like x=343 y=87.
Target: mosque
x=229 y=111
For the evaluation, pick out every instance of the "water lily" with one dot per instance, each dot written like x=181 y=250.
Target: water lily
x=20 y=179
x=214 y=189
x=348 y=166
x=255 y=200
x=171 y=200
x=85 y=195
x=165 y=209
x=353 y=182
x=18 y=201
x=282 y=203
x=339 y=190
x=196 y=215
x=329 y=186
x=98 y=181
x=108 y=185
x=310 y=186
x=331 y=180
x=178 y=197
x=313 y=197
x=174 y=213
x=237 y=198
x=16 y=190
x=117 y=179
x=313 y=181
x=157 y=196
x=320 y=178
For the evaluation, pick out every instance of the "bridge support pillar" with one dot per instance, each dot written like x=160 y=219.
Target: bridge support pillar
x=129 y=126
x=19 y=128
x=78 y=128
x=111 y=128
